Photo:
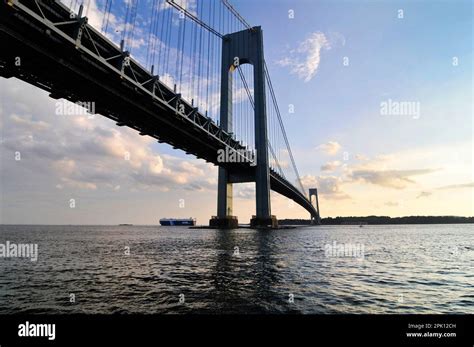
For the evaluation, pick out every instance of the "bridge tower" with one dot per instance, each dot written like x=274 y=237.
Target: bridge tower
x=245 y=47
x=315 y=219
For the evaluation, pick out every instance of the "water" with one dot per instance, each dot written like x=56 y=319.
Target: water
x=404 y=269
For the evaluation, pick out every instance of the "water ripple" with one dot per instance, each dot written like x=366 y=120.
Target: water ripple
x=404 y=269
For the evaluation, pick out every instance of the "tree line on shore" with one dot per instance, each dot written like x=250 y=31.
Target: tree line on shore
x=383 y=220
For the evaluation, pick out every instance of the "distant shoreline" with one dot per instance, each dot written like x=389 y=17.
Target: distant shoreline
x=381 y=220
x=367 y=220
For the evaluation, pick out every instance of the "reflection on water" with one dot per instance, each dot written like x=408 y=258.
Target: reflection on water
x=403 y=269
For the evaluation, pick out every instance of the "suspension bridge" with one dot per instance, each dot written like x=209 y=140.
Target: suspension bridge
x=191 y=74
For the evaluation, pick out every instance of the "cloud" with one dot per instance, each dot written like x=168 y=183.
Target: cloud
x=94 y=13
x=328 y=186
x=189 y=6
x=424 y=195
x=304 y=60
x=245 y=191
x=397 y=179
x=331 y=165
x=26 y=122
x=392 y=204
x=330 y=148
x=336 y=39
x=457 y=186
x=361 y=157
x=379 y=162
x=86 y=153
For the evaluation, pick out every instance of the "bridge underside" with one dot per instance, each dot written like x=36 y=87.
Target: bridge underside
x=78 y=74
x=71 y=73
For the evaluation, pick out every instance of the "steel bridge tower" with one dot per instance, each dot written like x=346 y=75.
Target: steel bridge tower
x=315 y=218
x=245 y=47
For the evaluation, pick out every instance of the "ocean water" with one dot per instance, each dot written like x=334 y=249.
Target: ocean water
x=309 y=270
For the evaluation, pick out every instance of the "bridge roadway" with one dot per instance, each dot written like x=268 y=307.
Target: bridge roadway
x=62 y=54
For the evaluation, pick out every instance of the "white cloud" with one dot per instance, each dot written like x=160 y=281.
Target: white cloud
x=305 y=59
x=361 y=157
x=78 y=152
x=424 y=195
x=458 y=186
x=330 y=187
x=330 y=148
x=95 y=15
x=392 y=203
x=27 y=122
x=245 y=191
x=331 y=165
x=189 y=5
x=397 y=179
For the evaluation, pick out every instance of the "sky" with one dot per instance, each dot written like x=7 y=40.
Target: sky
x=381 y=94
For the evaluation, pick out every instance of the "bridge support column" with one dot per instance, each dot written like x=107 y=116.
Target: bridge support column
x=224 y=218
x=263 y=217
x=315 y=219
x=245 y=47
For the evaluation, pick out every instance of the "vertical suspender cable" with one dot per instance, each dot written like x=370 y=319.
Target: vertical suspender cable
x=162 y=11
x=182 y=54
x=208 y=63
x=125 y=24
x=150 y=31
x=200 y=57
x=168 y=39
x=156 y=37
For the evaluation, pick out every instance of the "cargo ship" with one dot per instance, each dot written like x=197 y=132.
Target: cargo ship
x=178 y=221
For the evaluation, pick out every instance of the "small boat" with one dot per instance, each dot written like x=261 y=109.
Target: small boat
x=178 y=221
